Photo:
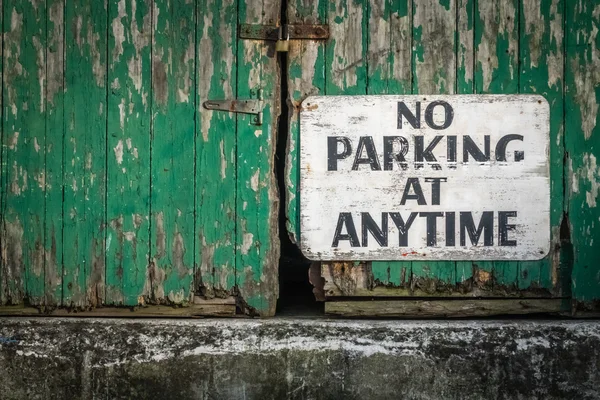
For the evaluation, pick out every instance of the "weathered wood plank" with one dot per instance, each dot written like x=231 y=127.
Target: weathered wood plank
x=306 y=77
x=128 y=147
x=257 y=241
x=24 y=92
x=389 y=65
x=346 y=50
x=3 y=171
x=582 y=127
x=55 y=132
x=173 y=113
x=85 y=153
x=434 y=72
x=374 y=279
x=442 y=308
x=495 y=44
x=153 y=311
x=434 y=57
x=215 y=145
x=465 y=49
x=541 y=71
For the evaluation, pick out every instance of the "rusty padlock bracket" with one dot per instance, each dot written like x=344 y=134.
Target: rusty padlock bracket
x=283 y=32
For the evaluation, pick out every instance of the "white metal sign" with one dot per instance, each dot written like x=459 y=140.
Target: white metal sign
x=462 y=177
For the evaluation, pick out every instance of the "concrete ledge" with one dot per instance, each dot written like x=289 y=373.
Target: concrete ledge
x=297 y=359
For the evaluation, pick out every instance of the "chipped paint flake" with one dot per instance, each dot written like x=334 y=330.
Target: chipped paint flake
x=119 y=152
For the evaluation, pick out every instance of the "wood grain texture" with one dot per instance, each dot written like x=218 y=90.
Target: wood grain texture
x=306 y=77
x=582 y=133
x=172 y=154
x=3 y=172
x=215 y=144
x=24 y=132
x=541 y=61
x=128 y=148
x=257 y=203
x=85 y=113
x=394 y=279
x=442 y=308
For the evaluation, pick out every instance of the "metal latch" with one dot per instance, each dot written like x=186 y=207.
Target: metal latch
x=284 y=32
x=252 y=106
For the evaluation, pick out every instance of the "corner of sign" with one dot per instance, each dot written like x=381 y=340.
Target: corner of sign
x=541 y=100
x=543 y=252
x=309 y=104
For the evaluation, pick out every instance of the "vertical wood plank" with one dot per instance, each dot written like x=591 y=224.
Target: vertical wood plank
x=257 y=240
x=306 y=77
x=541 y=50
x=389 y=66
x=85 y=153
x=173 y=103
x=55 y=131
x=434 y=57
x=215 y=144
x=496 y=44
x=434 y=63
x=465 y=50
x=24 y=132
x=346 y=71
x=3 y=186
x=582 y=123
x=128 y=147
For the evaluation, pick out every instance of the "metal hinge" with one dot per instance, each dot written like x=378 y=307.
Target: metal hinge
x=284 y=32
x=252 y=106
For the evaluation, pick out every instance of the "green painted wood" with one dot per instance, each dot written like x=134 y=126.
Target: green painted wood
x=346 y=66
x=215 y=144
x=3 y=172
x=257 y=204
x=582 y=133
x=542 y=72
x=306 y=76
x=496 y=71
x=24 y=137
x=55 y=133
x=465 y=50
x=128 y=148
x=434 y=72
x=389 y=72
x=173 y=133
x=85 y=117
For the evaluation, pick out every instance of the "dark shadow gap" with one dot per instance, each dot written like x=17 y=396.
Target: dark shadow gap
x=295 y=290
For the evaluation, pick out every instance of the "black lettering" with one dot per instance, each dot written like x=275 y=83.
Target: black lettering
x=504 y=227
x=414 y=120
x=435 y=189
x=451 y=151
x=448 y=115
x=422 y=153
x=486 y=225
x=431 y=226
x=366 y=143
x=345 y=219
x=450 y=229
x=389 y=155
x=368 y=225
x=418 y=192
x=469 y=147
x=503 y=143
x=403 y=227
x=332 y=151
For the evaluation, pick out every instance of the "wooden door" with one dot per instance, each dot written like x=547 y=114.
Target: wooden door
x=464 y=47
x=118 y=187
